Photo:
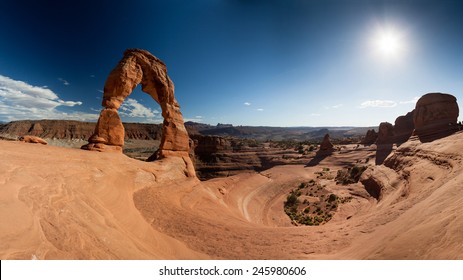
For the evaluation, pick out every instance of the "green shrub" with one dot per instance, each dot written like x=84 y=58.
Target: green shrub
x=351 y=175
x=291 y=200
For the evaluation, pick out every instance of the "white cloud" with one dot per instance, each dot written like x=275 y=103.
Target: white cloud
x=260 y=109
x=413 y=101
x=99 y=90
x=20 y=100
x=333 y=106
x=66 y=83
x=247 y=104
x=131 y=108
x=195 y=119
x=378 y=103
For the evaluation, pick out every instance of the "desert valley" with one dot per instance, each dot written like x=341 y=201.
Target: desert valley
x=194 y=191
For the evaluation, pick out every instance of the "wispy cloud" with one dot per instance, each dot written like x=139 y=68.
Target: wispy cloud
x=413 y=101
x=315 y=115
x=260 y=109
x=247 y=104
x=99 y=90
x=131 y=108
x=20 y=100
x=334 y=106
x=378 y=103
x=66 y=83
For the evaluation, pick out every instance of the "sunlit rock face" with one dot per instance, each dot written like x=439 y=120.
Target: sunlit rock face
x=140 y=67
x=435 y=116
x=32 y=139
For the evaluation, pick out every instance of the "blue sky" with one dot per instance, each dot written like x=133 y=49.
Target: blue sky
x=276 y=63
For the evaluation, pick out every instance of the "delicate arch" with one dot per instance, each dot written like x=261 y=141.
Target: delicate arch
x=140 y=67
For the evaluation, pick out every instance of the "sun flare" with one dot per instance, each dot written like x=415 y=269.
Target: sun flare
x=388 y=43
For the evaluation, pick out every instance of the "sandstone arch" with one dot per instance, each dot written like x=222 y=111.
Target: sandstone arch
x=141 y=67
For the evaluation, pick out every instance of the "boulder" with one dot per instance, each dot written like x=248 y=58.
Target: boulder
x=435 y=116
x=32 y=139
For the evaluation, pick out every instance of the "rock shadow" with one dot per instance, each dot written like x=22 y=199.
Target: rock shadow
x=382 y=151
x=319 y=156
x=431 y=135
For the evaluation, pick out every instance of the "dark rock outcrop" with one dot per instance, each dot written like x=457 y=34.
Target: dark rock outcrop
x=370 y=137
x=435 y=116
x=326 y=144
x=385 y=133
x=403 y=128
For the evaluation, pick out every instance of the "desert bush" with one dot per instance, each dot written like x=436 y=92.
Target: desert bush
x=351 y=175
x=332 y=198
x=291 y=200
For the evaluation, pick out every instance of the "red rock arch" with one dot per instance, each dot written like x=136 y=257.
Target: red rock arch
x=140 y=67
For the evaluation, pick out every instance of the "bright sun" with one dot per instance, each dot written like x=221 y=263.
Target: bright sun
x=388 y=43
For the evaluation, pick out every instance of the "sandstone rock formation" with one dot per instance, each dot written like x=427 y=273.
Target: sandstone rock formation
x=32 y=139
x=140 y=67
x=403 y=128
x=435 y=116
x=109 y=132
x=206 y=145
x=384 y=143
x=326 y=143
x=385 y=133
x=370 y=137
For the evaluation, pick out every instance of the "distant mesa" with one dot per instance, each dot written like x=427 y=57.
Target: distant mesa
x=32 y=139
x=141 y=67
x=435 y=116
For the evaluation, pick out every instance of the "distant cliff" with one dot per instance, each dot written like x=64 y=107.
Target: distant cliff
x=70 y=130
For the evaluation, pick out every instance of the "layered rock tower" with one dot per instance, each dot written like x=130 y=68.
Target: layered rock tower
x=141 y=67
